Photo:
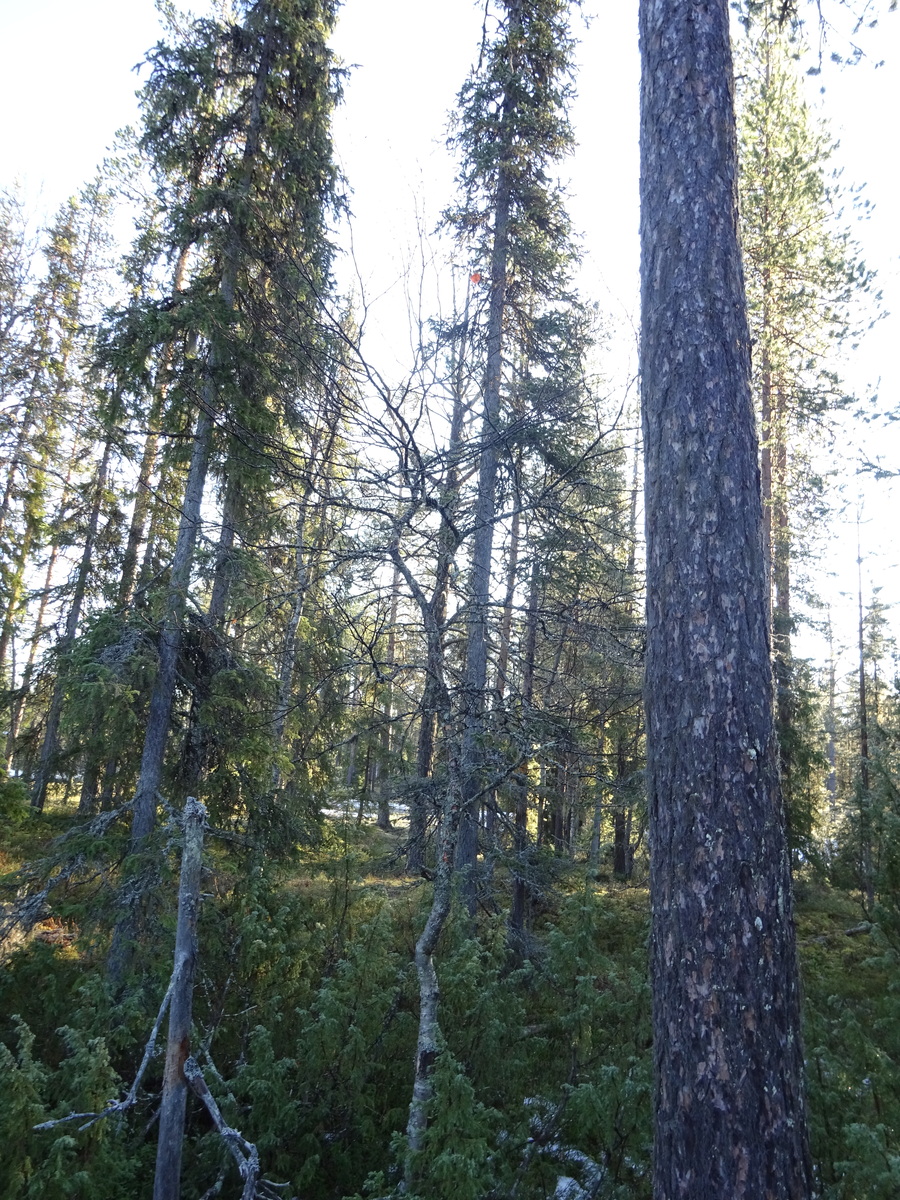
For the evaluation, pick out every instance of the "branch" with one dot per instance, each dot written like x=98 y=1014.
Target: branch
x=244 y=1153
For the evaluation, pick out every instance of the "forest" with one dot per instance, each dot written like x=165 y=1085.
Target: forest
x=336 y=778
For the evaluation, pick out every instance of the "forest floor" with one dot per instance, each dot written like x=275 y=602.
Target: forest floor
x=320 y=949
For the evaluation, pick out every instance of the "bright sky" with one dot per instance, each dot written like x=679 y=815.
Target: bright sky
x=66 y=86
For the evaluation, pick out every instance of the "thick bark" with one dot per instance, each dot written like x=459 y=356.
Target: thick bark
x=730 y=1108
x=167 y=1181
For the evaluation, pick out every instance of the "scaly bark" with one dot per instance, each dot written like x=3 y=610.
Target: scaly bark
x=730 y=1116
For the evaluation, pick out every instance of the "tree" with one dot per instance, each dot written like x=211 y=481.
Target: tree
x=255 y=211
x=804 y=281
x=512 y=128
x=730 y=1107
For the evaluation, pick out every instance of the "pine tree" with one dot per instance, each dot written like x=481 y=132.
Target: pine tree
x=727 y=1045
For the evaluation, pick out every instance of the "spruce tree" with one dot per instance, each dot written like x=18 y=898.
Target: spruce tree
x=512 y=131
x=251 y=181
x=805 y=284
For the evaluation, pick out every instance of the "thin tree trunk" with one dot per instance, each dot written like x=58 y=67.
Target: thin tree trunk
x=865 y=796
x=447 y=546
x=507 y=618
x=223 y=576
x=143 y=494
x=518 y=909
x=600 y=784
x=482 y=547
x=620 y=816
x=831 y=730
x=289 y=643
x=163 y=695
x=387 y=712
x=730 y=1107
x=50 y=746
x=167 y=1180
x=428 y=1041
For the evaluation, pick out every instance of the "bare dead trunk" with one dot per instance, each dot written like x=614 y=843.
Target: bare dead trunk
x=167 y=1181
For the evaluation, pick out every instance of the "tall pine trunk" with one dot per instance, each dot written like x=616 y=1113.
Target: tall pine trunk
x=730 y=1108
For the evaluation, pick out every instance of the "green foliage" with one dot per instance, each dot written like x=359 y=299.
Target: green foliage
x=13 y=800
x=21 y=1107
x=456 y=1159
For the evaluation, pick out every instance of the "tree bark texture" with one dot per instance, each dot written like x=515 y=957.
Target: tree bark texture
x=167 y=1181
x=730 y=1115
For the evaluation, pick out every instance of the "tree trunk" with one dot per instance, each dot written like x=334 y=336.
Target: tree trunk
x=428 y=1042
x=600 y=786
x=865 y=795
x=518 y=909
x=163 y=696
x=161 y=700
x=434 y=665
x=223 y=575
x=730 y=1108
x=50 y=746
x=387 y=713
x=143 y=495
x=167 y=1181
x=482 y=547
x=620 y=816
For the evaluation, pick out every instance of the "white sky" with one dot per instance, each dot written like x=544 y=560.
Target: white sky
x=66 y=86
